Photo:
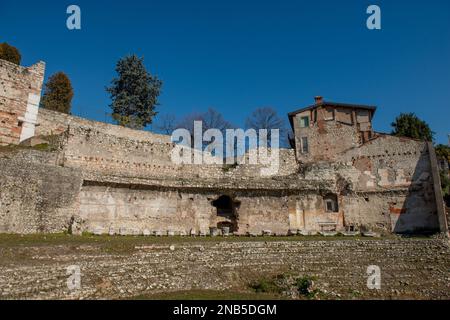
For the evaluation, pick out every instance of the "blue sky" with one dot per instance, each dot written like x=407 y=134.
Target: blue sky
x=236 y=56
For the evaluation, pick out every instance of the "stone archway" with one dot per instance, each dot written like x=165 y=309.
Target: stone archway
x=226 y=214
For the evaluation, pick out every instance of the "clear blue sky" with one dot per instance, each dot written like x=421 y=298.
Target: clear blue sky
x=240 y=55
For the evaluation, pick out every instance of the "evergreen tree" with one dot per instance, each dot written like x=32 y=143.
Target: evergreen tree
x=409 y=125
x=10 y=53
x=443 y=151
x=134 y=93
x=58 y=93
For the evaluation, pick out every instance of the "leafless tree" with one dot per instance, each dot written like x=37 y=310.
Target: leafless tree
x=211 y=119
x=166 y=123
x=267 y=118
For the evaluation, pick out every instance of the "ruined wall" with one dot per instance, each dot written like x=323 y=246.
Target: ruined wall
x=140 y=210
x=392 y=184
x=112 y=149
x=36 y=196
x=20 y=90
x=385 y=185
x=110 y=179
x=45 y=196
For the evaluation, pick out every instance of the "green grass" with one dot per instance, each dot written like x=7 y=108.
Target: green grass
x=14 y=148
x=208 y=295
x=266 y=286
x=127 y=244
x=62 y=239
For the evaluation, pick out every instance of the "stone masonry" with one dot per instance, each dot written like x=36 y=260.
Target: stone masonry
x=106 y=179
x=410 y=268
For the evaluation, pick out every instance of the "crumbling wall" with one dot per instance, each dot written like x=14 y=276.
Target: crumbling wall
x=129 y=209
x=399 y=212
x=140 y=209
x=112 y=149
x=132 y=186
x=20 y=90
x=392 y=186
x=126 y=209
x=36 y=196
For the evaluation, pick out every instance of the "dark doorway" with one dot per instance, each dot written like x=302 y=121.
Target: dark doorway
x=226 y=212
x=224 y=206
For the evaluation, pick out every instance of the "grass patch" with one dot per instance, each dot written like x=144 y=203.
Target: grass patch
x=228 y=167
x=304 y=286
x=15 y=148
x=265 y=286
x=207 y=295
x=288 y=285
x=8 y=240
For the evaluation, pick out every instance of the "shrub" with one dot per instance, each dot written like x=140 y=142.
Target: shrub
x=58 y=93
x=10 y=53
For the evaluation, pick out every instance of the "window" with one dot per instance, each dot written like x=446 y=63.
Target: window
x=331 y=203
x=304 y=122
x=328 y=114
x=305 y=147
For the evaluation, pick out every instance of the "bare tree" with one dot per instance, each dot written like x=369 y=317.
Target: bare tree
x=211 y=119
x=267 y=118
x=166 y=123
x=187 y=122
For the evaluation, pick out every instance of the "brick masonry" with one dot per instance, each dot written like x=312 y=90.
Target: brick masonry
x=20 y=91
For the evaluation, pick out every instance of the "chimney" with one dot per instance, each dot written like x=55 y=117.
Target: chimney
x=318 y=99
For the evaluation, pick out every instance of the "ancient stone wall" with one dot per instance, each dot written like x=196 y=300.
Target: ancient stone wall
x=36 y=196
x=43 y=195
x=111 y=149
x=123 y=181
x=116 y=202
x=123 y=210
x=20 y=90
x=393 y=186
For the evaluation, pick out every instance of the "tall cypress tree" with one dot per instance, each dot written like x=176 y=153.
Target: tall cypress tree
x=58 y=93
x=134 y=93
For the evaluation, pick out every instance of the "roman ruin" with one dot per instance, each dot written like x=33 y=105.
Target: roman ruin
x=62 y=173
